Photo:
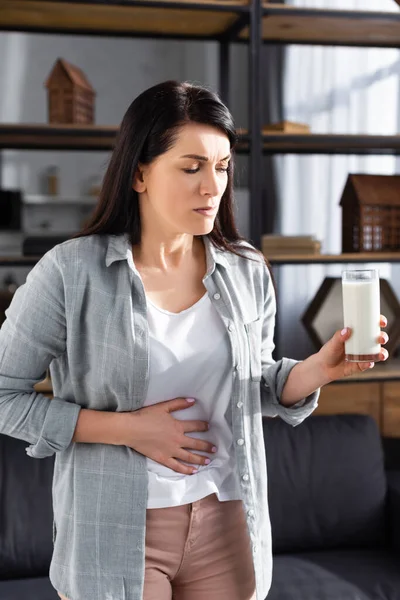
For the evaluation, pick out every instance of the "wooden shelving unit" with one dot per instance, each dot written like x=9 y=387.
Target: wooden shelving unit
x=220 y=20
x=202 y=20
x=295 y=25
x=373 y=392
x=189 y=19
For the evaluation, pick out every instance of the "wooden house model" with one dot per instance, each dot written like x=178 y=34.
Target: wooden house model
x=70 y=95
x=371 y=213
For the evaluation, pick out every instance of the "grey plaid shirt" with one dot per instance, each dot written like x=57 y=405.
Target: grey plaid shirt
x=82 y=312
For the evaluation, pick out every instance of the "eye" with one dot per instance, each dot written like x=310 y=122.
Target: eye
x=222 y=169
x=192 y=170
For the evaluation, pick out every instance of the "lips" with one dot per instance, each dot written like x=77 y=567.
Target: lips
x=207 y=211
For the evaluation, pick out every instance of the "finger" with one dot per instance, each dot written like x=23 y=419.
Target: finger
x=344 y=334
x=384 y=354
x=178 y=404
x=200 y=445
x=188 y=426
x=383 y=321
x=364 y=366
x=175 y=465
x=191 y=457
x=383 y=338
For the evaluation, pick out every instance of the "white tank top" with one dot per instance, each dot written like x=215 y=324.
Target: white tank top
x=190 y=358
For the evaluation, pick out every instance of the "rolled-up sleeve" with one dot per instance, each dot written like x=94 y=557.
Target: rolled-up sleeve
x=275 y=373
x=33 y=334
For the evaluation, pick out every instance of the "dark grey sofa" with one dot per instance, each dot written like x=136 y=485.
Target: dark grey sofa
x=335 y=514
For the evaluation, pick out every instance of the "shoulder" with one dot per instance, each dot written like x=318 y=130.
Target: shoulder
x=88 y=247
x=249 y=268
x=248 y=259
x=64 y=261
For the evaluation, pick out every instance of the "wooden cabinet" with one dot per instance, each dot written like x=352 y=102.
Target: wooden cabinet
x=371 y=393
x=390 y=409
x=360 y=398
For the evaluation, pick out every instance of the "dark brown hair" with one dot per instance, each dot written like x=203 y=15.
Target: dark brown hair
x=148 y=129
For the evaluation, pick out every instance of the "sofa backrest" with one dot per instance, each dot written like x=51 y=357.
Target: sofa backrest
x=26 y=513
x=327 y=483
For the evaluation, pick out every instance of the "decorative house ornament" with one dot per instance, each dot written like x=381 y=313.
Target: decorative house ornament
x=371 y=213
x=70 y=95
x=324 y=314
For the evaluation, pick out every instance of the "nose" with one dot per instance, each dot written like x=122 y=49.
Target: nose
x=209 y=185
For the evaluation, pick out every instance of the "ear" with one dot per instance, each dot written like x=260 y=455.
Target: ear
x=138 y=180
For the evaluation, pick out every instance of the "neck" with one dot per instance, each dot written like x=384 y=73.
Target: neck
x=165 y=253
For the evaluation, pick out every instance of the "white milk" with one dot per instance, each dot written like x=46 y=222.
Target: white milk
x=361 y=312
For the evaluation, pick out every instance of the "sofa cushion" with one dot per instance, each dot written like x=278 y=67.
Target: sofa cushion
x=35 y=588
x=336 y=575
x=326 y=483
x=26 y=513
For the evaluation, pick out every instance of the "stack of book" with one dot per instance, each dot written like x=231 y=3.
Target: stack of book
x=288 y=127
x=273 y=245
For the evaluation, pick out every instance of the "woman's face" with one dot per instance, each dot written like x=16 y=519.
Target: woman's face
x=180 y=191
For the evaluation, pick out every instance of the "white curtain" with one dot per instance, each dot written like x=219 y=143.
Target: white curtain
x=333 y=90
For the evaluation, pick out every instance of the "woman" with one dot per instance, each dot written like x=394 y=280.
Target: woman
x=157 y=324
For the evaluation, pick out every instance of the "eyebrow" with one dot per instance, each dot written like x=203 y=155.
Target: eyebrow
x=203 y=158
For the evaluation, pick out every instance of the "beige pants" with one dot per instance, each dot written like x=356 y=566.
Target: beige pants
x=198 y=551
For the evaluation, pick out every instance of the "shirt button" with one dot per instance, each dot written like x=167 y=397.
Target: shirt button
x=250 y=512
x=230 y=327
x=217 y=296
x=245 y=477
x=254 y=548
x=239 y=404
x=240 y=442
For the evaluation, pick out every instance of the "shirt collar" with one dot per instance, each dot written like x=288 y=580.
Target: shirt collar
x=119 y=248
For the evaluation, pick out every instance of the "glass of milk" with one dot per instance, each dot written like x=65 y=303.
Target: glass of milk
x=361 y=312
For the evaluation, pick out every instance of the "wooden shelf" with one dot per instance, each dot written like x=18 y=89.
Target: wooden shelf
x=19 y=261
x=322 y=143
x=355 y=257
x=56 y=137
x=46 y=200
x=283 y=259
x=296 y=25
x=206 y=19
x=100 y=137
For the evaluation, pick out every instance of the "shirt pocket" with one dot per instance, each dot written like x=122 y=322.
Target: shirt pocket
x=253 y=335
